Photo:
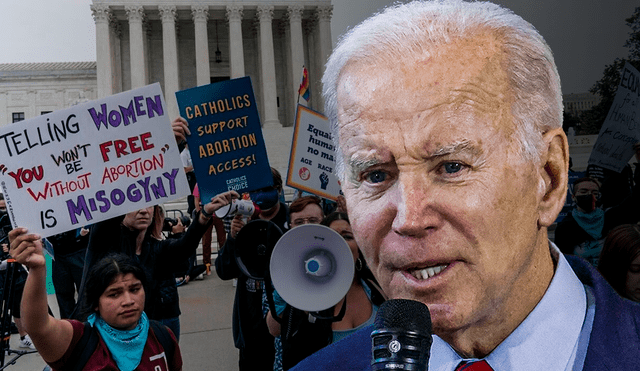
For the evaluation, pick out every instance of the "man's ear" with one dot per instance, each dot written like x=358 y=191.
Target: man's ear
x=554 y=175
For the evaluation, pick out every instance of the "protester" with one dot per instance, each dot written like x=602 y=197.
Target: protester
x=70 y=249
x=138 y=234
x=303 y=210
x=583 y=230
x=18 y=289
x=177 y=228
x=114 y=302
x=250 y=333
x=187 y=163
x=206 y=238
x=303 y=337
x=20 y=277
x=447 y=117
x=620 y=260
x=628 y=211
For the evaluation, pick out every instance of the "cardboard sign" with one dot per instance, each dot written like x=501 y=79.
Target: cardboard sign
x=91 y=162
x=621 y=128
x=226 y=143
x=312 y=162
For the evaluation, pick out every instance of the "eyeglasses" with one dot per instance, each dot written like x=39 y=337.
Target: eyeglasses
x=309 y=220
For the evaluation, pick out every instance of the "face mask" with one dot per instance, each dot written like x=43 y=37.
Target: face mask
x=587 y=203
x=265 y=199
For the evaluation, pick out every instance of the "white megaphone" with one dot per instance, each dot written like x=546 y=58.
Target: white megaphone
x=312 y=267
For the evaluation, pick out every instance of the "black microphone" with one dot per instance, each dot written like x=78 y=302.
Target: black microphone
x=401 y=337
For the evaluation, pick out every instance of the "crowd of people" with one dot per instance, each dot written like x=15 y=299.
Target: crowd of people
x=454 y=166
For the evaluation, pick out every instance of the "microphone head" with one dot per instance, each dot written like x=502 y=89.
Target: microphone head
x=404 y=314
x=402 y=336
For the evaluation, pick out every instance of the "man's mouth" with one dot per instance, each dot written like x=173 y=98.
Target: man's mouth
x=426 y=273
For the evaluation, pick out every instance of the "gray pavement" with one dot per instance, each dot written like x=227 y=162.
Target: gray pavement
x=206 y=340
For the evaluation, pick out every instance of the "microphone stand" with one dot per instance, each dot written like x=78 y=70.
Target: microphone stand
x=11 y=272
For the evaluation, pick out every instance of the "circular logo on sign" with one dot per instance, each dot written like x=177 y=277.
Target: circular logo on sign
x=394 y=346
x=304 y=173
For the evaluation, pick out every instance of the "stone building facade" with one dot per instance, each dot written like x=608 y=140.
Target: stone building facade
x=187 y=43
x=28 y=90
x=576 y=104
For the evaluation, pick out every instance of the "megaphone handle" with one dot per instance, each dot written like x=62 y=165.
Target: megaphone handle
x=269 y=291
x=337 y=318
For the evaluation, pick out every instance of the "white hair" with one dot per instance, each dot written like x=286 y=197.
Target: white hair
x=401 y=30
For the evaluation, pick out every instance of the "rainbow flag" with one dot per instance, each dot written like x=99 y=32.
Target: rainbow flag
x=304 y=91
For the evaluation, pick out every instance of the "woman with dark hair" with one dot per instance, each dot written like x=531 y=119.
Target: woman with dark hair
x=113 y=306
x=365 y=295
x=139 y=234
x=300 y=337
x=620 y=260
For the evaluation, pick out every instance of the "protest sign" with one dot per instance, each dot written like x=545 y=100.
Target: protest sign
x=312 y=162
x=90 y=162
x=620 y=130
x=226 y=143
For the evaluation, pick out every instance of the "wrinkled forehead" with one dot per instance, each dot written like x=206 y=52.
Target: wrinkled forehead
x=466 y=71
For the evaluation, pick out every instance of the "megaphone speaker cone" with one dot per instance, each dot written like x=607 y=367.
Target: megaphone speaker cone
x=312 y=267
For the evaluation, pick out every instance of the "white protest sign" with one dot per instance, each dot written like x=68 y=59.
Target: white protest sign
x=312 y=162
x=620 y=130
x=90 y=162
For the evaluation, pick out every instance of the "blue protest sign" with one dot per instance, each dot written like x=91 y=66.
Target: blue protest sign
x=226 y=143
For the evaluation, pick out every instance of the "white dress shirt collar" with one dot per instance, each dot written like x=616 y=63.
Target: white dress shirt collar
x=546 y=340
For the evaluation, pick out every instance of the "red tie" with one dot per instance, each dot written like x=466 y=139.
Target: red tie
x=474 y=366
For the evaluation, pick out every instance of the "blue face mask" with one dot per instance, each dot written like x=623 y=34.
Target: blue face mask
x=265 y=199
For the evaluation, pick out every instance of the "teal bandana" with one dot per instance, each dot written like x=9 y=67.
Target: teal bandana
x=126 y=346
x=592 y=222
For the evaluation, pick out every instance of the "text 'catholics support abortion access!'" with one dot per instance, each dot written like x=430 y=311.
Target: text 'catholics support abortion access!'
x=90 y=162
x=226 y=143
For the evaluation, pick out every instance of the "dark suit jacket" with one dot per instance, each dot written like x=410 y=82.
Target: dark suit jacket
x=614 y=343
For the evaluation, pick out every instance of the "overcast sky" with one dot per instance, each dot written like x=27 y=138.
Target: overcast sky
x=585 y=35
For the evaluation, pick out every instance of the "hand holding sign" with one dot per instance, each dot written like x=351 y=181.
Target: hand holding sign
x=26 y=248
x=180 y=129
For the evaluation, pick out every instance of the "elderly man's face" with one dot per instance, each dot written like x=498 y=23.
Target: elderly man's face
x=440 y=199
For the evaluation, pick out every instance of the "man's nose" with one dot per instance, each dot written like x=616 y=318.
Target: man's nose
x=414 y=201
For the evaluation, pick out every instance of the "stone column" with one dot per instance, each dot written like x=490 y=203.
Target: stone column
x=4 y=114
x=102 y=17
x=323 y=14
x=297 y=52
x=30 y=111
x=170 y=58
x=136 y=15
x=116 y=56
x=268 y=67
x=200 y=14
x=236 y=51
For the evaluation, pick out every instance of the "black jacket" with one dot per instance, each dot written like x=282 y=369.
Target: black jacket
x=158 y=259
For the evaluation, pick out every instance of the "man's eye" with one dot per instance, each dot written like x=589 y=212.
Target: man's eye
x=452 y=167
x=376 y=176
